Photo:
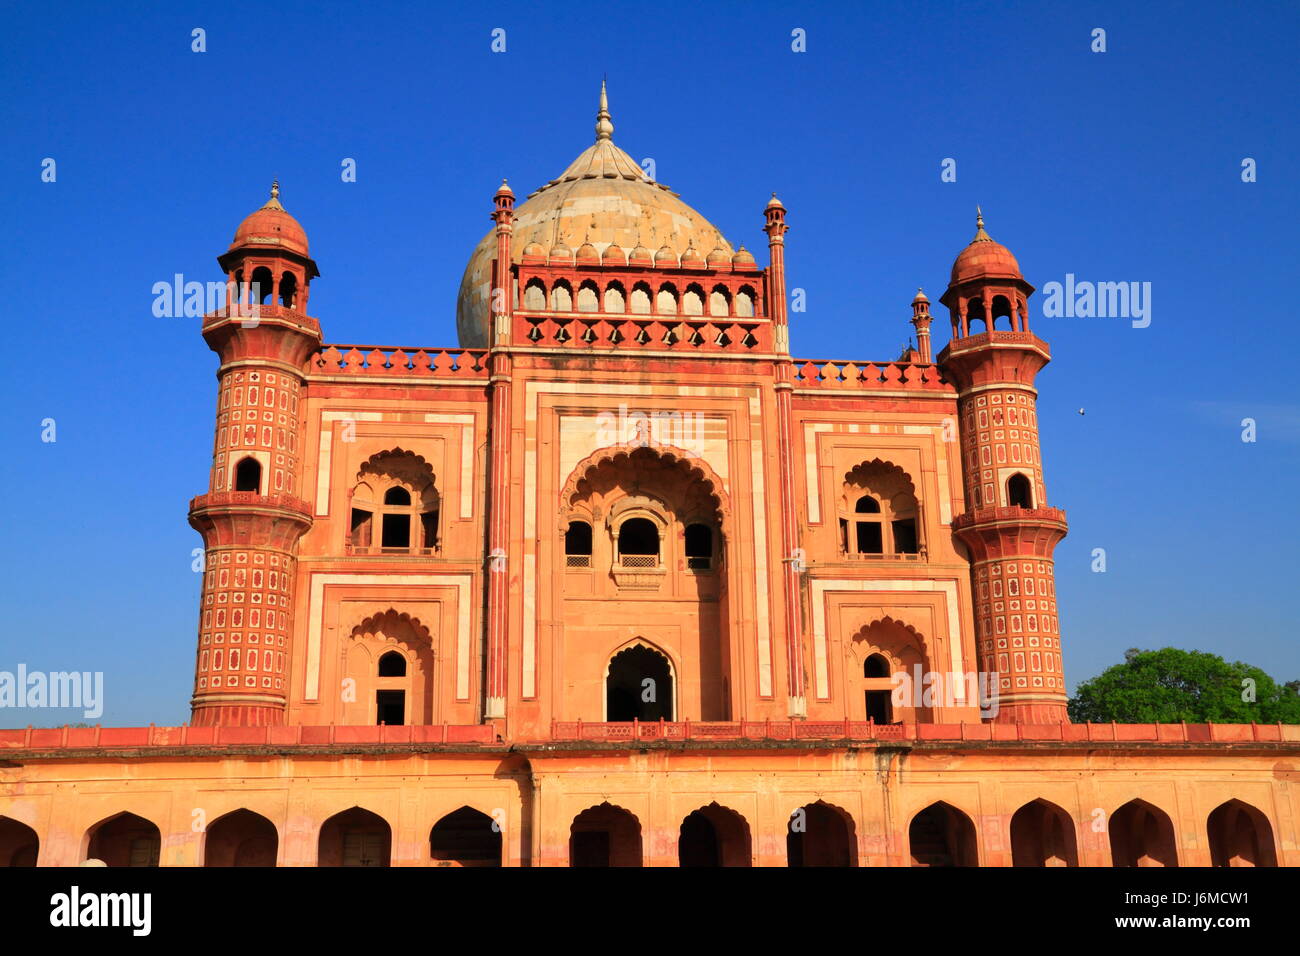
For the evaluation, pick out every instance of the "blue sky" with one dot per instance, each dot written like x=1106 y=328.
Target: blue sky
x=1115 y=166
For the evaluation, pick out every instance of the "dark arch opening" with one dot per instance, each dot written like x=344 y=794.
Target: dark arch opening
x=1042 y=834
x=1141 y=835
x=126 y=840
x=867 y=505
x=577 y=544
x=19 y=844
x=638 y=536
x=941 y=835
x=355 y=837
x=466 y=837
x=875 y=666
x=248 y=475
x=605 y=836
x=820 y=835
x=639 y=686
x=714 y=836
x=699 y=547
x=397 y=496
x=288 y=290
x=241 y=838
x=392 y=664
x=1240 y=835
x=263 y=292
x=1019 y=494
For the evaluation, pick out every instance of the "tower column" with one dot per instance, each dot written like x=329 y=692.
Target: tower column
x=251 y=517
x=499 y=482
x=1007 y=528
x=791 y=556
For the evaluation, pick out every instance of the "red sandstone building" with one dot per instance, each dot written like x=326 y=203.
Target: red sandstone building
x=620 y=581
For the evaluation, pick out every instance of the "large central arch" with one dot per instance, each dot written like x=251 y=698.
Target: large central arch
x=640 y=684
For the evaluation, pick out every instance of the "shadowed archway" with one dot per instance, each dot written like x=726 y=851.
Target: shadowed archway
x=355 y=837
x=1042 y=834
x=605 y=835
x=1240 y=835
x=240 y=838
x=714 y=836
x=821 y=834
x=19 y=844
x=941 y=835
x=1141 y=835
x=125 y=840
x=466 y=837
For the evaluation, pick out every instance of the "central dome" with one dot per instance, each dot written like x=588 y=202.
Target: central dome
x=604 y=198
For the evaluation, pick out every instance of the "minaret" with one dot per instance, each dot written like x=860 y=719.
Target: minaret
x=921 y=320
x=791 y=564
x=500 y=365
x=251 y=518
x=1007 y=527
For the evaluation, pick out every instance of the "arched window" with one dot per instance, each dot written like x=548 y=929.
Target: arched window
x=745 y=302
x=878 y=513
x=1019 y=494
x=1001 y=310
x=638 y=686
x=638 y=543
x=398 y=487
x=693 y=301
x=975 y=313
x=288 y=289
x=248 y=475
x=614 y=298
x=640 y=299
x=392 y=664
x=666 y=300
x=699 y=547
x=562 y=297
x=535 y=296
x=263 y=291
x=588 y=297
x=719 y=302
x=878 y=689
x=577 y=545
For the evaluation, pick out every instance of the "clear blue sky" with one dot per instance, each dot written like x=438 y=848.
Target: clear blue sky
x=1115 y=166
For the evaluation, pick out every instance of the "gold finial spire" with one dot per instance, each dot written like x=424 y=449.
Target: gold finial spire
x=274 y=201
x=604 y=123
x=979 y=227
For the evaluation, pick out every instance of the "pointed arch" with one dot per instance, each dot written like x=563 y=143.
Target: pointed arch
x=19 y=844
x=355 y=837
x=714 y=835
x=605 y=835
x=466 y=837
x=694 y=465
x=1141 y=834
x=1240 y=835
x=1042 y=834
x=821 y=834
x=627 y=670
x=240 y=838
x=942 y=835
x=124 y=839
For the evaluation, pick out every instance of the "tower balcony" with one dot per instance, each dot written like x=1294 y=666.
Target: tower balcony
x=250 y=501
x=248 y=519
x=1010 y=531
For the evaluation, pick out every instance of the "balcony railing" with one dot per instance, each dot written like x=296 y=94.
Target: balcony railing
x=638 y=560
x=577 y=560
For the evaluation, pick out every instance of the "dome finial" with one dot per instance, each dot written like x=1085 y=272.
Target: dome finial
x=979 y=227
x=604 y=123
x=274 y=201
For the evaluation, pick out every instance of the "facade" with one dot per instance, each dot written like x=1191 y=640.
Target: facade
x=622 y=581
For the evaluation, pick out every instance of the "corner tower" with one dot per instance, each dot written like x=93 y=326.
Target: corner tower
x=1007 y=527
x=251 y=518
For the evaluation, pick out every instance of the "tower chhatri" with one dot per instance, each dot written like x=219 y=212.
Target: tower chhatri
x=253 y=515
x=1008 y=528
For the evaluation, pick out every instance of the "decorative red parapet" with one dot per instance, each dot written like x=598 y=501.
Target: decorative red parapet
x=866 y=730
x=394 y=361
x=868 y=376
x=216 y=736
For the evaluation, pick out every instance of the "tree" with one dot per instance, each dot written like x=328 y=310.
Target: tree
x=1170 y=685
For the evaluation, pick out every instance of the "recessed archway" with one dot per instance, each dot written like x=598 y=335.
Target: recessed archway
x=1141 y=835
x=820 y=834
x=1042 y=834
x=240 y=838
x=1240 y=835
x=605 y=835
x=355 y=837
x=466 y=837
x=714 y=836
x=639 y=685
x=941 y=835
x=19 y=843
x=125 y=840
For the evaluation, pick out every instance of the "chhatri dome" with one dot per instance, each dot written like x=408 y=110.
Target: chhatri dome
x=271 y=226
x=604 y=198
x=984 y=256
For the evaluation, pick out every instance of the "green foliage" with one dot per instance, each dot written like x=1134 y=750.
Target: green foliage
x=1170 y=685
